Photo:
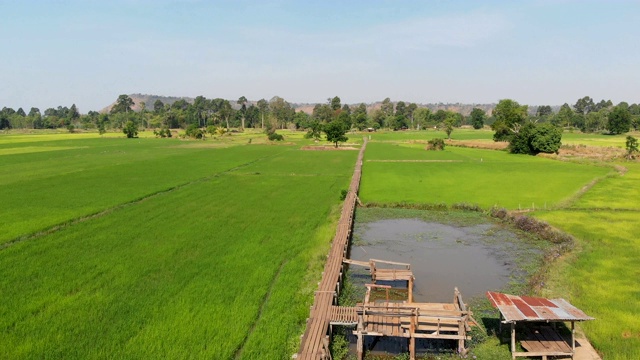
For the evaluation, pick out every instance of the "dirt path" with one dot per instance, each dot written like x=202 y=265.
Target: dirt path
x=584 y=350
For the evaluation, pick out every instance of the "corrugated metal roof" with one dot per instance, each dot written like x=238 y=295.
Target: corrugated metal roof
x=525 y=308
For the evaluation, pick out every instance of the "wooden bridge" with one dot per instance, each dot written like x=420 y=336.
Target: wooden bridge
x=404 y=319
x=315 y=341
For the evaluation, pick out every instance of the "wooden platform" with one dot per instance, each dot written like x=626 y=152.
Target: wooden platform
x=343 y=315
x=543 y=341
x=393 y=271
x=445 y=321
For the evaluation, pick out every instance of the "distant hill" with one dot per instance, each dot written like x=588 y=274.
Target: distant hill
x=464 y=109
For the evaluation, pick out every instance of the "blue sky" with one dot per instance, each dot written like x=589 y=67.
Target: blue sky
x=59 y=52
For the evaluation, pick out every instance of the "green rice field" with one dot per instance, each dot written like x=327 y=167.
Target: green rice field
x=408 y=173
x=604 y=276
x=120 y=248
x=168 y=248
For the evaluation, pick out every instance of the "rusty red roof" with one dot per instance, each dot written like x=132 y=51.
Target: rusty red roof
x=525 y=308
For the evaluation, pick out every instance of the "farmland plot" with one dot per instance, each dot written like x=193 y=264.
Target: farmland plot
x=219 y=263
x=408 y=173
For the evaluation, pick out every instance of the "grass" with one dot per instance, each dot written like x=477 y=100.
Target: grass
x=484 y=177
x=576 y=138
x=219 y=263
x=425 y=135
x=602 y=279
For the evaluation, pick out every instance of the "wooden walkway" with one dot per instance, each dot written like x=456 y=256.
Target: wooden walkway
x=371 y=318
x=315 y=341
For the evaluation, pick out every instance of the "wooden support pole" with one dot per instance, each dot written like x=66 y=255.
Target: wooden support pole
x=410 y=289
x=412 y=340
x=573 y=337
x=461 y=332
x=360 y=346
x=412 y=348
x=513 y=340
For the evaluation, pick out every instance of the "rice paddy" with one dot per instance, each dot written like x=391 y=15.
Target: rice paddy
x=149 y=251
x=463 y=175
x=164 y=248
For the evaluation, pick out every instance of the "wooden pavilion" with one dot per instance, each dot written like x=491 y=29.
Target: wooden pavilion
x=538 y=317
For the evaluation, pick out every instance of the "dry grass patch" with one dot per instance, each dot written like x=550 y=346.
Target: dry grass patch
x=327 y=147
x=600 y=153
x=479 y=144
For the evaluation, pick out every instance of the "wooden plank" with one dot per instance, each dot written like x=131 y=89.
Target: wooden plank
x=356 y=262
x=391 y=262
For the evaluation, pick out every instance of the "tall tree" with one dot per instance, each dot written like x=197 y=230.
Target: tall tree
x=281 y=110
x=143 y=114
x=477 y=118
x=123 y=104
x=158 y=106
x=619 y=120
x=242 y=101
x=544 y=110
x=323 y=113
x=335 y=103
x=603 y=105
x=422 y=116
x=335 y=132
x=387 y=107
x=225 y=112
x=263 y=106
x=584 y=105
x=359 y=117
x=401 y=108
x=411 y=109
x=35 y=118
x=509 y=117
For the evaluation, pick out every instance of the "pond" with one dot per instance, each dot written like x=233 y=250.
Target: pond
x=474 y=258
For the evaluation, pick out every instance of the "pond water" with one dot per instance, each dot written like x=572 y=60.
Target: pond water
x=473 y=258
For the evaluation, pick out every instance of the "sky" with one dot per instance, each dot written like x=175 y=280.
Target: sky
x=537 y=52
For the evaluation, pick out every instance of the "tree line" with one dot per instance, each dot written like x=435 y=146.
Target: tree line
x=277 y=113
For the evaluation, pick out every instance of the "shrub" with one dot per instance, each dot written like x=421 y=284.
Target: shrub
x=343 y=194
x=130 y=129
x=193 y=131
x=466 y=207
x=632 y=147
x=436 y=144
x=274 y=136
x=212 y=129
